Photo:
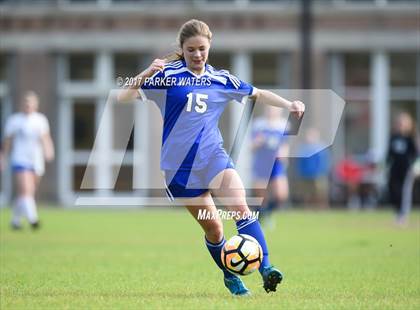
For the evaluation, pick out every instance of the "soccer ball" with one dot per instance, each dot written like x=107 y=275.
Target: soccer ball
x=242 y=254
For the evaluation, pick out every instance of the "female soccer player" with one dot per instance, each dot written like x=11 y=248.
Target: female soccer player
x=269 y=161
x=402 y=152
x=27 y=136
x=195 y=164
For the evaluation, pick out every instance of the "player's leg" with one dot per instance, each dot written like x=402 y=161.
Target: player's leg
x=406 y=200
x=260 y=190
x=36 y=179
x=279 y=190
x=26 y=184
x=319 y=188
x=353 y=197
x=277 y=195
x=214 y=238
x=398 y=191
x=228 y=186
x=18 y=208
x=186 y=183
x=204 y=204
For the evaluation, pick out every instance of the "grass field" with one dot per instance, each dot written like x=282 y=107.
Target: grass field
x=141 y=259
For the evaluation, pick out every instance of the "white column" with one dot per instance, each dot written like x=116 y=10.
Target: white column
x=141 y=154
x=141 y=159
x=65 y=151
x=379 y=104
x=64 y=141
x=242 y=68
x=104 y=72
x=103 y=76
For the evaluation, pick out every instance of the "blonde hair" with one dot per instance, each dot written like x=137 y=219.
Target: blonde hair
x=404 y=122
x=190 y=29
x=30 y=93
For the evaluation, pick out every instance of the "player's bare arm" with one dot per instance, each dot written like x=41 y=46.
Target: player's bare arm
x=295 y=107
x=48 y=147
x=131 y=92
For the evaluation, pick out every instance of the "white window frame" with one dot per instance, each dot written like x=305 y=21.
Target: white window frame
x=68 y=158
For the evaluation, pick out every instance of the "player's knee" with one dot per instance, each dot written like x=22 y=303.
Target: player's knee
x=214 y=233
x=24 y=189
x=238 y=205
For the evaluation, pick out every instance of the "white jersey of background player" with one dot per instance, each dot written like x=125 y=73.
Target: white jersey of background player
x=27 y=139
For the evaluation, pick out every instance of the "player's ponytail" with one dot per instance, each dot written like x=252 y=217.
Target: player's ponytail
x=190 y=29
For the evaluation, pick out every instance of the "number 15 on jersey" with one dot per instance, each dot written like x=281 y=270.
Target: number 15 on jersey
x=200 y=105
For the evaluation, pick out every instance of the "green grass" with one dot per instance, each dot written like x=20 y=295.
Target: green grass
x=136 y=259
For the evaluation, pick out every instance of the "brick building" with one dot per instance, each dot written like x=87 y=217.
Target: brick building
x=71 y=52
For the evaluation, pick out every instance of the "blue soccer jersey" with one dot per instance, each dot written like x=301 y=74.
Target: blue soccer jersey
x=265 y=163
x=191 y=106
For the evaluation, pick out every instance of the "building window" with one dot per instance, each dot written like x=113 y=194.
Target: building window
x=126 y=65
x=3 y=67
x=79 y=172
x=357 y=123
x=357 y=95
x=403 y=69
x=86 y=104
x=83 y=124
x=357 y=69
x=123 y=127
x=265 y=69
x=405 y=83
x=81 y=67
x=220 y=60
x=408 y=106
x=124 y=182
x=2 y=121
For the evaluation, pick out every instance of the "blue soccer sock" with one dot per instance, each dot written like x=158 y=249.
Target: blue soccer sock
x=265 y=209
x=253 y=228
x=272 y=205
x=215 y=250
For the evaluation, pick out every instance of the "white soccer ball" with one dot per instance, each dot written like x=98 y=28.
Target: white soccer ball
x=242 y=254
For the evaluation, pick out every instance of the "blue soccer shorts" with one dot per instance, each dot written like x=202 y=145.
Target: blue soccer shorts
x=189 y=183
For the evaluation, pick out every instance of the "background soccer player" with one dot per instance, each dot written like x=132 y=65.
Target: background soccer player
x=27 y=139
x=195 y=164
x=269 y=161
x=402 y=152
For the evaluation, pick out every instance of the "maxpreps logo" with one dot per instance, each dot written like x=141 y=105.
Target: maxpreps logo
x=204 y=214
x=323 y=114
